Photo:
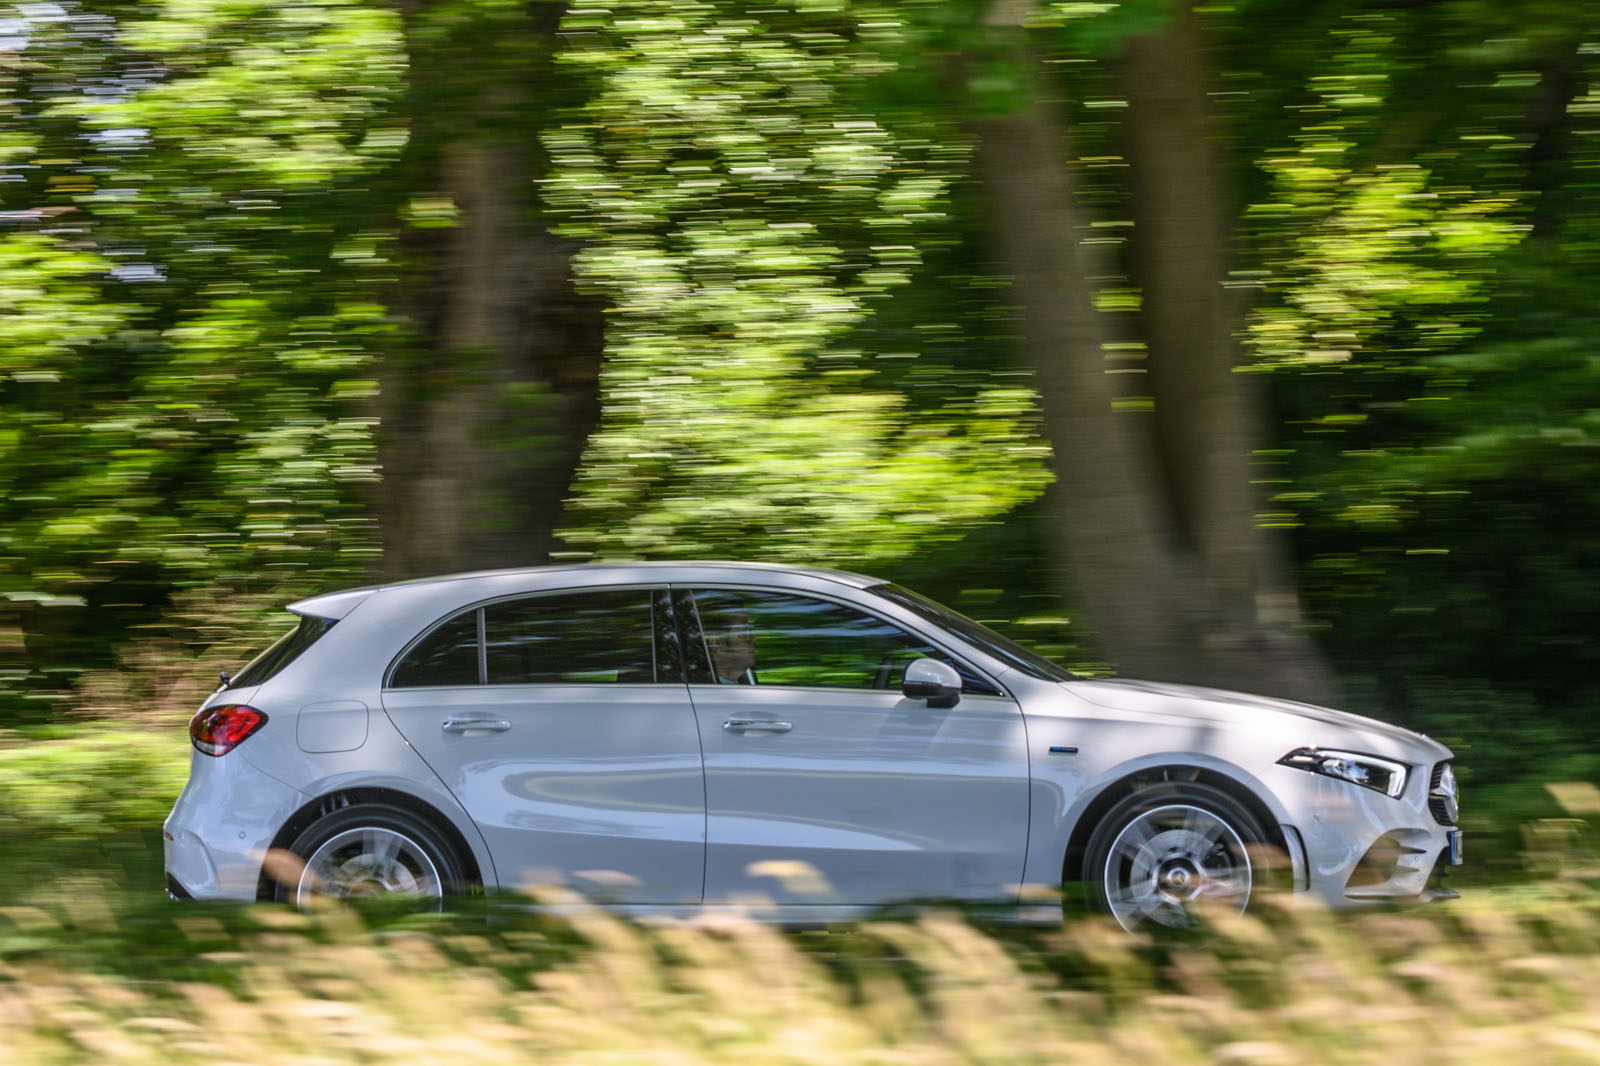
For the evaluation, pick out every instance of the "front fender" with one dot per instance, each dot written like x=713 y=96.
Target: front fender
x=1059 y=801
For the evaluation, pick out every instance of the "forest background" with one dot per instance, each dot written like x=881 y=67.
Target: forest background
x=1250 y=344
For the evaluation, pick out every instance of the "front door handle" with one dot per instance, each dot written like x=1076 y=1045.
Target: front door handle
x=475 y=725
x=756 y=725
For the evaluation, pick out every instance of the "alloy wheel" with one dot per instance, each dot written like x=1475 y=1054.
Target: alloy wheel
x=1169 y=858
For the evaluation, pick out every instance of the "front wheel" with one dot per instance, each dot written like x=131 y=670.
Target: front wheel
x=371 y=849
x=1167 y=851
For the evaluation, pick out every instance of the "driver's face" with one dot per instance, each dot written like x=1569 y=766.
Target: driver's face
x=733 y=646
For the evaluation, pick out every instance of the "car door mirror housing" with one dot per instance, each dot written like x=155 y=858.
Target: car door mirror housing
x=932 y=680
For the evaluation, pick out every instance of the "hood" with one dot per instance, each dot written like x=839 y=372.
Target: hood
x=1315 y=726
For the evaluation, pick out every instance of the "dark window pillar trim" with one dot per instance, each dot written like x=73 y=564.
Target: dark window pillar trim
x=665 y=639
x=696 y=656
x=483 y=649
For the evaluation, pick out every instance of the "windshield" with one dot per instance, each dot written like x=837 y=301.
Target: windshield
x=285 y=651
x=975 y=633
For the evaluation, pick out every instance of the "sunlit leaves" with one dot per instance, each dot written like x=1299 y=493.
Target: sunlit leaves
x=741 y=217
x=51 y=305
x=286 y=92
x=1377 y=258
x=185 y=358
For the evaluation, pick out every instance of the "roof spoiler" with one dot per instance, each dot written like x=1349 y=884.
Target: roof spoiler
x=333 y=606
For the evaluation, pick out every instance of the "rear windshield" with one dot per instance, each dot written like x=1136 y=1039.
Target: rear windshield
x=975 y=633
x=285 y=651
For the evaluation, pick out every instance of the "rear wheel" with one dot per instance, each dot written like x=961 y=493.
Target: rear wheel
x=1168 y=851
x=371 y=849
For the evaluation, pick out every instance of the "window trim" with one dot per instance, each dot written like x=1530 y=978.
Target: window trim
x=480 y=606
x=942 y=645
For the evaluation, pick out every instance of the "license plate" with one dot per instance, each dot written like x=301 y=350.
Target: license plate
x=1453 y=841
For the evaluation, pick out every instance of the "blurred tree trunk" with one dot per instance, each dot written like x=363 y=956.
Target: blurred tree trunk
x=1549 y=158
x=1155 y=528
x=1207 y=415
x=1105 y=530
x=483 y=427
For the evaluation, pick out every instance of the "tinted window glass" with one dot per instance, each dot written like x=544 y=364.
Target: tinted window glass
x=777 y=638
x=285 y=650
x=447 y=656
x=571 y=638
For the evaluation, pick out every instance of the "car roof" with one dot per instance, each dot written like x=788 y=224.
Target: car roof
x=337 y=604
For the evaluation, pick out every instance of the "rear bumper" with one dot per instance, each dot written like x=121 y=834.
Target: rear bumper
x=218 y=833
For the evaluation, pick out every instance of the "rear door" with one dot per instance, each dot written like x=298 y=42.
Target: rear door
x=562 y=723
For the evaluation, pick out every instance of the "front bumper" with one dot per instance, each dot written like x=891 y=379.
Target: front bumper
x=218 y=833
x=1360 y=846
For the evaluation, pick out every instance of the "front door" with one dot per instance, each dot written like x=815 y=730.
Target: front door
x=562 y=724
x=824 y=785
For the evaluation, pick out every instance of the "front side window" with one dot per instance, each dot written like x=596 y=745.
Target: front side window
x=764 y=637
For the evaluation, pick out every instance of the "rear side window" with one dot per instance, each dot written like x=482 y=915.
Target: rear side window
x=447 y=656
x=572 y=638
x=608 y=636
x=286 y=650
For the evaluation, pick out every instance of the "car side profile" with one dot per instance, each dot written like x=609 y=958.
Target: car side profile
x=668 y=737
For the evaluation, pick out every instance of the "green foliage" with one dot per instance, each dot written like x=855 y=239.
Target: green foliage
x=186 y=388
x=742 y=222
x=88 y=783
x=1431 y=364
x=207 y=210
x=1387 y=270
x=273 y=96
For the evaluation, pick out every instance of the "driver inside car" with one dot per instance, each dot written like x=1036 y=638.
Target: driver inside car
x=732 y=643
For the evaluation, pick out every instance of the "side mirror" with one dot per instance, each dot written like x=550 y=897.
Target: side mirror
x=932 y=680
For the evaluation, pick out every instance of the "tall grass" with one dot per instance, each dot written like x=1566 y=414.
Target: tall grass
x=95 y=969
x=1506 y=975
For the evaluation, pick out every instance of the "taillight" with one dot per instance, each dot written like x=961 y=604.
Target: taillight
x=218 y=730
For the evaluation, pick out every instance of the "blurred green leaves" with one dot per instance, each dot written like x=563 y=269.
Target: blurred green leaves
x=51 y=306
x=264 y=94
x=742 y=219
x=92 y=783
x=188 y=313
x=210 y=212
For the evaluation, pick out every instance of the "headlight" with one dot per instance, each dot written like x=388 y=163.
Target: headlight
x=1368 y=771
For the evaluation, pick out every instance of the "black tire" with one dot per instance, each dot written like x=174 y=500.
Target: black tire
x=370 y=849
x=1165 y=851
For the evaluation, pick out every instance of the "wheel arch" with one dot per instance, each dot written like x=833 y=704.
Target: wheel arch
x=341 y=798
x=1234 y=783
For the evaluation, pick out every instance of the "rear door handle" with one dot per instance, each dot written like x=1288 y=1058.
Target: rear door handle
x=756 y=725
x=475 y=725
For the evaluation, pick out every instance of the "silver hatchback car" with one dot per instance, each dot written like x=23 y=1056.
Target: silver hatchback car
x=669 y=737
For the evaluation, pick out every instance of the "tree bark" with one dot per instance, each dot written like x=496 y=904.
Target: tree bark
x=1207 y=413
x=1106 y=532
x=1549 y=158
x=484 y=425
x=1139 y=537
